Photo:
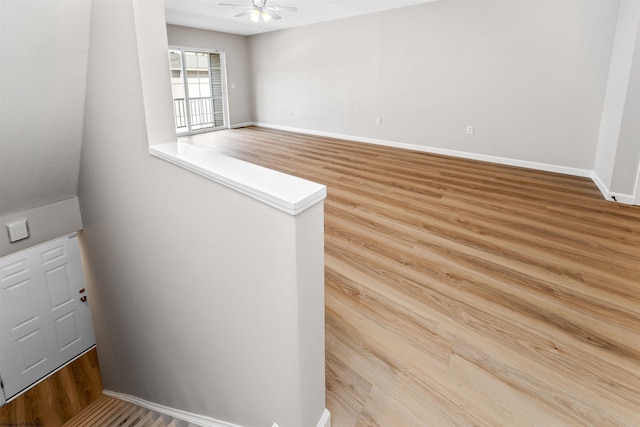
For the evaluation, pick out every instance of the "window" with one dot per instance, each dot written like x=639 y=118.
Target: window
x=198 y=87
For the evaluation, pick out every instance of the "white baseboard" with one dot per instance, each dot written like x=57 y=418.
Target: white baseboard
x=325 y=419
x=171 y=412
x=241 y=125
x=201 y=420
x=608 y=195
x=601 y=185
x=435 y=150
x=627 y=199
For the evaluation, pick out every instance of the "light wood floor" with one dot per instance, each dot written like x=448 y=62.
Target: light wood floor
x=58 y=398
x=466 y=293
x=109 y=411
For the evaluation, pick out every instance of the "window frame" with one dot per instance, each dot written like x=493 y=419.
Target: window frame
x=185 y=82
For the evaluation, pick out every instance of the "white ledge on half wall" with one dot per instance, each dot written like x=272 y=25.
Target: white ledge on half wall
x=287 y=193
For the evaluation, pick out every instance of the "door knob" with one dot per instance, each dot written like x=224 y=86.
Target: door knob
x=83 y=299
x=82 y=291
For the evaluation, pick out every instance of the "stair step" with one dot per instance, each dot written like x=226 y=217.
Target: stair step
x=109 y=411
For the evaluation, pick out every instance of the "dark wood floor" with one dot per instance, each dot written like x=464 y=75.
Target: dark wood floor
x=466 y=293
x=58 y=398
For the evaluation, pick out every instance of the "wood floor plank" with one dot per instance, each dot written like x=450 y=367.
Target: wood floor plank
x=59 y=397
x=146 y=420
x=105 y=413
x=466 y=293
x=564 y=394
x=347 y=389
x=111 y=411
x=93 y=413
x=159 y=422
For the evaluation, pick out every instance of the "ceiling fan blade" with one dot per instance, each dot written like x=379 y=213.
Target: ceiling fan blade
x=229 y=4
x=246 y=12
x=272 y=14
x=288 y=8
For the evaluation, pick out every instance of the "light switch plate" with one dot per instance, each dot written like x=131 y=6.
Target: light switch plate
x=18 y=230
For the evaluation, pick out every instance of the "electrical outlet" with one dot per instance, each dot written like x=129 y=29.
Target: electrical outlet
x=469 y=130
x=18 y=230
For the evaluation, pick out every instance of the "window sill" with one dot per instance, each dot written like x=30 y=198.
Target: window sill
x=284 y=192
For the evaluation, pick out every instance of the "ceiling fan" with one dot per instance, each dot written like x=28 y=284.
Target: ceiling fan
x=259 y=9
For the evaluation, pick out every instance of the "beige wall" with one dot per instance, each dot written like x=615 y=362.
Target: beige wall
x=192 y=306
x=236 y=50
x=529 y=75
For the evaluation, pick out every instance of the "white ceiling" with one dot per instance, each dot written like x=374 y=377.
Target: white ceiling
x=209 y=15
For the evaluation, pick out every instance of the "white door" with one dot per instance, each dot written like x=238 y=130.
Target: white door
x=44 y=316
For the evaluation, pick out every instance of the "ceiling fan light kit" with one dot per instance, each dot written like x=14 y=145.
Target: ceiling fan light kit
x=257 y=14
x=259 y=9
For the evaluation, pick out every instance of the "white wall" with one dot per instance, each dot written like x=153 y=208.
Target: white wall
x=193 y=308
x=617 y=157
x=628 y=151
x=236 y=50
x=43 y=64
x=529 y=75
x=46 y=223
